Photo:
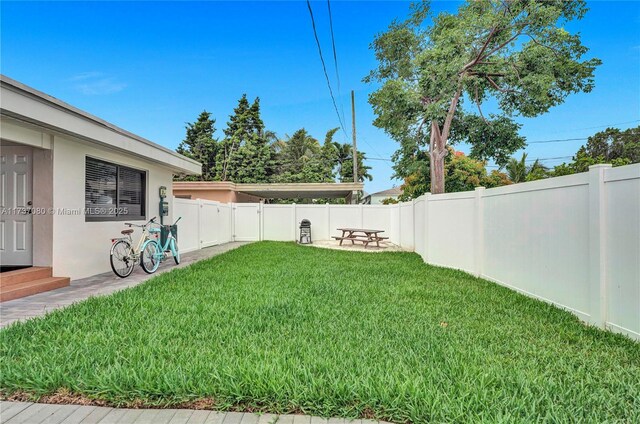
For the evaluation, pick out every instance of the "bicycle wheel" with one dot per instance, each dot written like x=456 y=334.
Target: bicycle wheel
x=121 y=262
x=176 y=252
x=150 y=257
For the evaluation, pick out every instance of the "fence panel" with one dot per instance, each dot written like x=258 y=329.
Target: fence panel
x=406 y=226
x=419 y=236
x=278 y=222
x=319 y=217
x=344 y=216
x=189 y=225
x=224 y=221
x=622 y=264
x=394 y=217
x=536 y=239
x=209 y=223
x=377 y=217
x=451 y=230
x=246 y=221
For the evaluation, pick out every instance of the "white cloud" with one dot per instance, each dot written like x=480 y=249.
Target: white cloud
x=96 y=83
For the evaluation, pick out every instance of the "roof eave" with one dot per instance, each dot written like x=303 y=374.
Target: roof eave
x=24 y=103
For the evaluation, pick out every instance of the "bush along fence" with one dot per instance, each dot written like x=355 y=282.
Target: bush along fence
x=573 y=241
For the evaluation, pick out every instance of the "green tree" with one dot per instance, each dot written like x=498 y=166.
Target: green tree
x=463 y=173
x=200 y=145
x=345 y=164
x=612 y=146
x=537 y=171
x=515 y=53
x=301 y=159
x=518 y=171
x=329 y=156
x=246 y=154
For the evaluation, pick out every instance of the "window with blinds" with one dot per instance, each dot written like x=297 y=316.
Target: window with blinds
x=113 y=192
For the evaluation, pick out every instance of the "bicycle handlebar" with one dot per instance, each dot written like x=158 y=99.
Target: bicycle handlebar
x=130 y=224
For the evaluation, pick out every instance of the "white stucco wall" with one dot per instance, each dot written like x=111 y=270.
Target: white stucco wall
x=81 y=249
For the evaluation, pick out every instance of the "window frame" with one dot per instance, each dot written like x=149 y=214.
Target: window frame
x=144 y=193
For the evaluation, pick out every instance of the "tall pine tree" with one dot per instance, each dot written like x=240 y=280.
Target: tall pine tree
x=245 y=155
x=200 y=145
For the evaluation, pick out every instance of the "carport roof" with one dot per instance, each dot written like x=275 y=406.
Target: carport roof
x=276 y=191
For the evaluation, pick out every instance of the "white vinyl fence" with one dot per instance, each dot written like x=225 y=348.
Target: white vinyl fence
x=573 y=241
x=204 y=223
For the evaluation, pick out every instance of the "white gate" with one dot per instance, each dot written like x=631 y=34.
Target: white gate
x=209 y=223
x=246 y=221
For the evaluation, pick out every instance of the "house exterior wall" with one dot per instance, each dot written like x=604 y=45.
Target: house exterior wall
x=42 y=200
x=377 y=200
x=81 y=248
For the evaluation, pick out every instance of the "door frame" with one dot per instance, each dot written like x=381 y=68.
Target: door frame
x=9 y=193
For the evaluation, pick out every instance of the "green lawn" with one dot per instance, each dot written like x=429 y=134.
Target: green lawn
x=278 y=327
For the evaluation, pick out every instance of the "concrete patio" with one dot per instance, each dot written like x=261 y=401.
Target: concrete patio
x=97 y=285
x=385 y=246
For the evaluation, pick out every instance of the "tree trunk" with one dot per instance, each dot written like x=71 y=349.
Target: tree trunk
x=437 y=173
x=437 y=153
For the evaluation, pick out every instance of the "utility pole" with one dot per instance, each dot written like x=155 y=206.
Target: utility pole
x=354 y=150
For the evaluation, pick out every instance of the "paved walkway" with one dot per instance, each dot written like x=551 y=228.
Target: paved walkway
x=101 y=284
x=40 y=413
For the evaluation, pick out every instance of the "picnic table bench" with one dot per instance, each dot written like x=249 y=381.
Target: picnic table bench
x=363 y=235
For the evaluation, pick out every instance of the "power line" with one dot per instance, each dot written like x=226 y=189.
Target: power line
x=324 y=67
x=561 y=140
x=538 y=159
x=380 y=158
x=597 y=126
x=557 y=140
x=335 y=57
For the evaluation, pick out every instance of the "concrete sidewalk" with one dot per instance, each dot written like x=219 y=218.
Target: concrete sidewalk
x=40 y=413
x=101 y=284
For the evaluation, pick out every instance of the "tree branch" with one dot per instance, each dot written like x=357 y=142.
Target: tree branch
x=481 y=52
x=497 y=87
x=502 y=45
x=480 y=109
x=554 y=50
x=452 y=110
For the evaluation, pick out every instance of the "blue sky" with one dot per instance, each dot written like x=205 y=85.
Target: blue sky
x=150 y=67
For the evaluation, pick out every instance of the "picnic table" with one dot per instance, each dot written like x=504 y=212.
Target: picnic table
x=363 y=235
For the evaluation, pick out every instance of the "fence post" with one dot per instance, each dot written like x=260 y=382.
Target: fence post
x=261 y=229
x=200 y=224
x=232 y=213
x=328 y=212
x=413 y=221
x=293 y=213
x=597 y=249
x=427 y=198
x=361 y=215
x=479 y=232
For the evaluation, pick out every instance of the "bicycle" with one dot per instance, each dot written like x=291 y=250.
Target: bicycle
x=123 y=255
x=153 y=252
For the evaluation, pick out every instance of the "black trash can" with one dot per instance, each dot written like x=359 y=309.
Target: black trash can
x=305 y=232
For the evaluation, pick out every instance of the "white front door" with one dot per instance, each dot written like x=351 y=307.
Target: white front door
x=15 y=206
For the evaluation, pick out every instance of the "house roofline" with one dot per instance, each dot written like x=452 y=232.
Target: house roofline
x=182 y=165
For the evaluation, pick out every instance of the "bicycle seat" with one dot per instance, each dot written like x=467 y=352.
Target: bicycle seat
x=125 y=232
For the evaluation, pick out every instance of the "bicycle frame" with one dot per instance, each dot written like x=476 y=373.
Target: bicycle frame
x=169 y=244
x=134 y=251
